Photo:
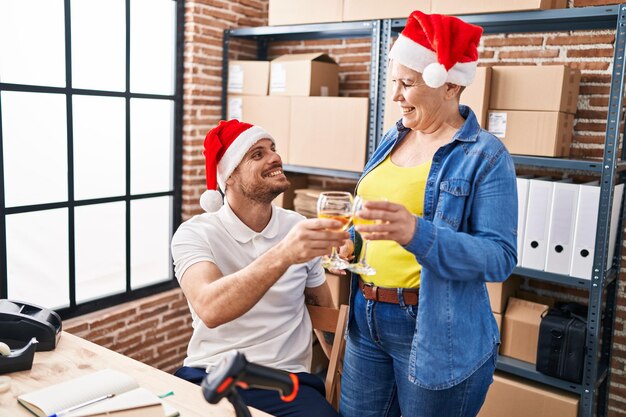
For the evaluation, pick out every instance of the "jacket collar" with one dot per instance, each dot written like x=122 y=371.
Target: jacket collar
x=239 y=230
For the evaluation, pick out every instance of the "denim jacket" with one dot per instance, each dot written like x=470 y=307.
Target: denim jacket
x=466 y=237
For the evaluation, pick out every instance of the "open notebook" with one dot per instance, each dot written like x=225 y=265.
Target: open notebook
x=129 y=400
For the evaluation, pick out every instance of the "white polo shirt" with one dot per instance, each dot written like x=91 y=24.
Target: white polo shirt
x=276 y=332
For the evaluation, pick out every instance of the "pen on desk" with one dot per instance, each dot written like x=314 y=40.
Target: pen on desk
x=81 y=405
x=167 y=394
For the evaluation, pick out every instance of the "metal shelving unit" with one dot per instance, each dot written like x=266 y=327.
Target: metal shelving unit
x=264 y=35
x=602 y=288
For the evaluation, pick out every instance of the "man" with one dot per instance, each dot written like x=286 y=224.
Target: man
x=247 y=266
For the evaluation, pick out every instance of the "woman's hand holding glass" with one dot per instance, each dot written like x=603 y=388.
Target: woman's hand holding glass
x=395 y=222
x=336 y=205
x=362 y=267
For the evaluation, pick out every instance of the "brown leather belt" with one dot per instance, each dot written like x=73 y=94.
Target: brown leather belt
x=389 y=295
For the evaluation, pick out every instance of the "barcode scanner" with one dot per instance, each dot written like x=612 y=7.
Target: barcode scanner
x=235 y=371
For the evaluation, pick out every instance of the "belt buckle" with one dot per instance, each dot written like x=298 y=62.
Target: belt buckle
x=373 y=289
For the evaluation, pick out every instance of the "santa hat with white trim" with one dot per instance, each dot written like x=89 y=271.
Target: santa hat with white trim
x=224 y=147
x=444 y=49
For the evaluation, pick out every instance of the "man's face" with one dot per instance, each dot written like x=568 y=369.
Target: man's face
x=259 y=177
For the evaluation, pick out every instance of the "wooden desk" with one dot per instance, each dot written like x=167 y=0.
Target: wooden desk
x=74 y=357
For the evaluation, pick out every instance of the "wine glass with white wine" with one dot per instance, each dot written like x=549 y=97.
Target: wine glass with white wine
x=335 y=205
x=362 y=267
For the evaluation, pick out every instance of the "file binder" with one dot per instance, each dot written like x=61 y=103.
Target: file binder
x=561 y=228
x=522 y=205
x=537 y=224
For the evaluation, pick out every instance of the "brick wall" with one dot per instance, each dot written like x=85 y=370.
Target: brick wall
x=154 y=330
x=129 y=327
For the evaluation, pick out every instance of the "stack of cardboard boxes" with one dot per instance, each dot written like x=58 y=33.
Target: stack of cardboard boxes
x=291 y=12
x=519 y=320
x=311 y=125
x=532 y=108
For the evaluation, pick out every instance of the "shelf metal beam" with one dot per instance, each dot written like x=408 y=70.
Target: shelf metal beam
x=302 y=32
x=575 y=18
x=322 y=171
x=527 y=370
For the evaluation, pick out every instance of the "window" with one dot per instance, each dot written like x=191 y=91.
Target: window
x=90 y=132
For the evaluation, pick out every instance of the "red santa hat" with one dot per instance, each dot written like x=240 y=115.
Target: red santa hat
x=224 y=147
x=444 y=49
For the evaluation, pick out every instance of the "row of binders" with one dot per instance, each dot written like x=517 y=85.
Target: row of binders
x=557 y=225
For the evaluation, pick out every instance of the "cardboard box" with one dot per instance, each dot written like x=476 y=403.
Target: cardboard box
x=376 y=9
x=489 y=6
x=339 y=288
x=292 y=12
x=269 y=112
x=285 y=200
x=476 y=96
x=540 y=88
x=248 y=77
x=539 y=133
x=520 y=328
x=329 y=132
x=514 y=397
x=313 y=74
x=535 y=298
x=498 y=318
x=499 y=293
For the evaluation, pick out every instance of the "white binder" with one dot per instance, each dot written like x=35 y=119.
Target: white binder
x=522 y=205
x=537 y=224
x=561 y=230
x=585 y=230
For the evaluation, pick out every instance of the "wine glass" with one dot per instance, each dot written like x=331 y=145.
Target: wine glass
x=362 y=267
x=335 y=205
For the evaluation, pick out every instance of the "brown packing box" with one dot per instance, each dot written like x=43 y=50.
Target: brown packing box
x=376 y=9
x=313 y=74
x=339 y=288
x=476 y=96
x=328 y=132
x=269 y=112
x=490 y=6
x=498 y=318
x=535 y=298
x=520 y=329
x=248 y=77
x=510 y=396
x=545 y=88
x=539 y=133
x=499 y=293
x=292 y=12
x=285 y=200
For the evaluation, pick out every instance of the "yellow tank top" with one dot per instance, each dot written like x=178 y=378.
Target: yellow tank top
x=395 y=266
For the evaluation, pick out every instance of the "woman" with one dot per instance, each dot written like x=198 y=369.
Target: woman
x=422 y=340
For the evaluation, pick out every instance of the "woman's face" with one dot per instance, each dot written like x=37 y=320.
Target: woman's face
x=421 y=105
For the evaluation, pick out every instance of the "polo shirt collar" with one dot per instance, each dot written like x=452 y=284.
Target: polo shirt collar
x=239 y=230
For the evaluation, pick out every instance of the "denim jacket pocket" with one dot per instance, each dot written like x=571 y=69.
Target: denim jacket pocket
x=451 y=205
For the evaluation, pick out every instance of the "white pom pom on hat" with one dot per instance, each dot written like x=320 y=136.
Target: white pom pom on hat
x=444 y=49
x=211 y=200
x=224 y=147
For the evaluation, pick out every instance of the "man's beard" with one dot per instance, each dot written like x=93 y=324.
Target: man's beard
x=263 y=193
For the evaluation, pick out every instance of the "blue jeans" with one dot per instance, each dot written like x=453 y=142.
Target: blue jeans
x=309 y=402
x=375 y=379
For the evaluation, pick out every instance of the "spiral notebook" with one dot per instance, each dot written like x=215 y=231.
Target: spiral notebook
x=128 y=398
